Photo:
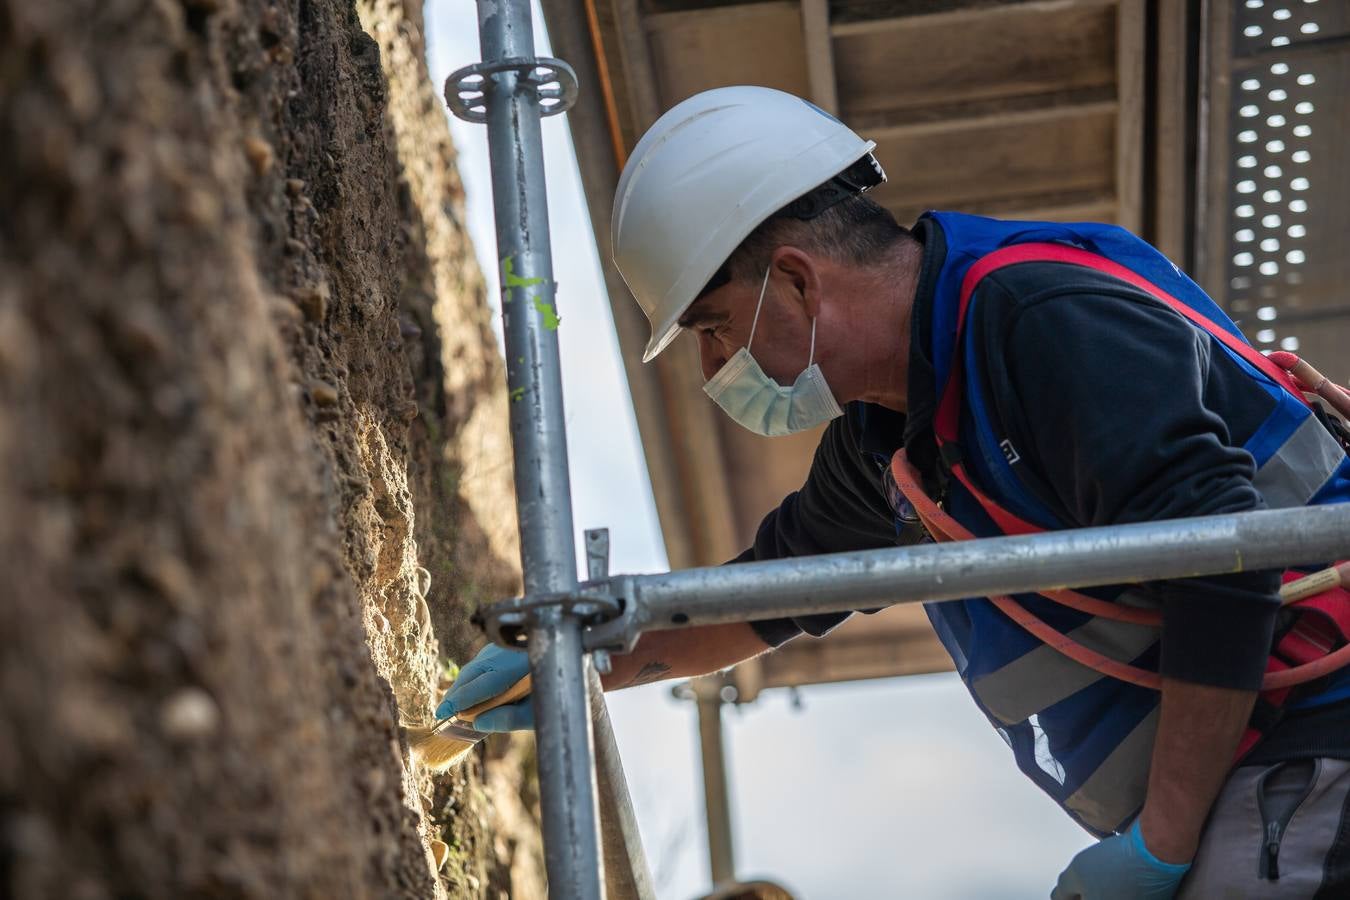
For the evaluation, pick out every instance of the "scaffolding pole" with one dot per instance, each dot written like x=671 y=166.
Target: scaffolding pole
x=559 y=620
x=839 y=582
x=511 y=90
x=716 y=790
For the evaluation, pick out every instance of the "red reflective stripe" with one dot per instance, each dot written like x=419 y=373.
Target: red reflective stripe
x=1296 y=649
x=1331 y=607
x=1044 y=252
x=946 y=422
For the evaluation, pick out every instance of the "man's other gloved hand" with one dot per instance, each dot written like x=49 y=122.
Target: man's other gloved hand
x=1119 y=868
x=488 y=674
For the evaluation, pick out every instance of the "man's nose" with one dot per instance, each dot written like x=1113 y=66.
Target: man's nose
x=711 y=356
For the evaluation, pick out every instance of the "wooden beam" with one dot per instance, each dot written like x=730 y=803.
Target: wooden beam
x=1130 y=114
x=1211 y=239
x=635 y=55
x=820 y=54
x=1171 y=118
x=980 y=108
x=1003 y=56
x=755 y=43
x=1070 y=206
x=1039 y=115
x=708 y=517
x=961 y=17
x=717 y=17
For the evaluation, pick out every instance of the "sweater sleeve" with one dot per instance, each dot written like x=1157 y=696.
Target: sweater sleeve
x=1115 y=397
x=840 y=507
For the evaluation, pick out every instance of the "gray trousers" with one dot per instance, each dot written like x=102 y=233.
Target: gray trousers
x=1278 y=831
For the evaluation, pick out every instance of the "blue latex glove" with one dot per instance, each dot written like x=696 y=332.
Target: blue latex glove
x=488 y=674
x=1119 y=868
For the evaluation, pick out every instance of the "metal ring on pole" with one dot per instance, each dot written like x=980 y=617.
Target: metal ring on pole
x=507 y=621
x=554 y=81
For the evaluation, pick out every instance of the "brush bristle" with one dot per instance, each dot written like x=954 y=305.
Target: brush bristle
x=436 y=751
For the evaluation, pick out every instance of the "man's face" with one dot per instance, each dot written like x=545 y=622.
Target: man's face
x=721 y=320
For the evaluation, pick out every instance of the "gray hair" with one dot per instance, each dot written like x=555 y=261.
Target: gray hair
x=854 y=231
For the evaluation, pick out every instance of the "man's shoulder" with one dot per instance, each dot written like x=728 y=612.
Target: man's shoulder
x=1032 y=282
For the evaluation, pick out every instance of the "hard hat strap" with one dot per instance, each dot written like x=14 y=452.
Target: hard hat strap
x=754 y=323
x=758 y=306
x=858 y=178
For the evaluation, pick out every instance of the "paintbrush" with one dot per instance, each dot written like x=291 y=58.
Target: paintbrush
x=442 y=744
x=1316 y=583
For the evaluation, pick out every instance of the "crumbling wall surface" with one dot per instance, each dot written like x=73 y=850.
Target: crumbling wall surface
x=250 y=449
x=460 y=464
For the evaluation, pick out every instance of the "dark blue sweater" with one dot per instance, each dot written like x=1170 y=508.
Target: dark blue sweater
x=1119 y=412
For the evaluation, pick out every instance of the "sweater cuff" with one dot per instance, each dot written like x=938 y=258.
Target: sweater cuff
x=775 y=632
x=1217 y=630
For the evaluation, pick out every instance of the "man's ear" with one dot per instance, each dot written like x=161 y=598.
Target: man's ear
x=802 y=273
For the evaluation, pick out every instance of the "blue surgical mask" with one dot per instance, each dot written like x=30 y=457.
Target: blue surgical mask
x=757 y=402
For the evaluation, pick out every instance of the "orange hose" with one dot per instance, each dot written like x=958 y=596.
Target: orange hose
x=944 y=528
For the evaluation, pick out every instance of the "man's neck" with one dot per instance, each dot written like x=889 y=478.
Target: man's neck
x=884 y=341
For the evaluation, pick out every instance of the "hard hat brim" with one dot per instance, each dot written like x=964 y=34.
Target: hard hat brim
x=836 y=152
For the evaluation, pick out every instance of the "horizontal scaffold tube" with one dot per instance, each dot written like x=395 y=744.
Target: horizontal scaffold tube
x=1081 y=557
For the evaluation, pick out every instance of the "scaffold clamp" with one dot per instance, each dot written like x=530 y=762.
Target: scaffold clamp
x=468 y=90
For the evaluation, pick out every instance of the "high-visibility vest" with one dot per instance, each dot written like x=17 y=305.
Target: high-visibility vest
x=1083 y=736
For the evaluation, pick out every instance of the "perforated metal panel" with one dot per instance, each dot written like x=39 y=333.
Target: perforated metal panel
x=1287 y=254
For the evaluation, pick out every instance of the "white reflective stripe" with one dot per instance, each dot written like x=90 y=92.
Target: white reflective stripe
x=1117 y=788
x=1043 y=677
x=1297 y=471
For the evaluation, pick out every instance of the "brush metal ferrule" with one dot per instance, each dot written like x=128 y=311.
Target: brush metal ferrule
x=459 y=730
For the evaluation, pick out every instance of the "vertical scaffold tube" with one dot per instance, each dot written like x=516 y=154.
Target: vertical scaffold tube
x=548 y=560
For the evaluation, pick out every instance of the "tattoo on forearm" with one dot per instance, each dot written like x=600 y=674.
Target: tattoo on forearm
x=652 y=671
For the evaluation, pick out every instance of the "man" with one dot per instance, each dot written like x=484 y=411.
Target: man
x=1035 y=376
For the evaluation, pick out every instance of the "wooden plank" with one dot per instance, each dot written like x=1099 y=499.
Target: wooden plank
x=720 y=17
x=635 y=57
x=1000 y=162
x=1211 y=240
x=896 y=641
x=956 y=14
x=1130 y=114
x=757 y=43
x=820 y=54
x=989 y=109
x=707 y=514
x=1015 y=118
x=1086 y=206
x=1007 y=52
x=1171 y=212
x=760 y=472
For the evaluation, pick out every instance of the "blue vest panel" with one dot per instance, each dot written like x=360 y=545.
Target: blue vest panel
x=1084 y=738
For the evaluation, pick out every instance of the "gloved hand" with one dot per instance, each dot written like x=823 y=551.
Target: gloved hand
x=1119 y=868
x=488 y=674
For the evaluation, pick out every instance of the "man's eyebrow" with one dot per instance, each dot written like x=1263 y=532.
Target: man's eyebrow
x=694 y=317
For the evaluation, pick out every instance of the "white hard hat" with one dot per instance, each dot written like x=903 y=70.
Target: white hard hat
x=705 y=175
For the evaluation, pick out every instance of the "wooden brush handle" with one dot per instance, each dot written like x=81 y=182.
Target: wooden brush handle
x=1319 y=384
x=520 y=689
x=1316 y=583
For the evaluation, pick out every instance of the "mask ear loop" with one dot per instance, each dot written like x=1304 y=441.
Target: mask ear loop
x=758 y=306
x=811 y=356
